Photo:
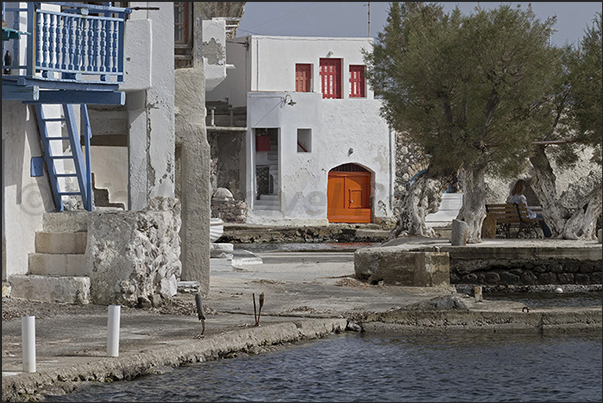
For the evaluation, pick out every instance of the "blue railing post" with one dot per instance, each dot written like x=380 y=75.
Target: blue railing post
x=31 y=39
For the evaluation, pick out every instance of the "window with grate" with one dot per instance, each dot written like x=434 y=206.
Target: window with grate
x=349 y=168
x=330 y=76
x=183 y=34
x=303 y=77
x=357 y=82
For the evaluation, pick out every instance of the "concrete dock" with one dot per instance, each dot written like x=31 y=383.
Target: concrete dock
x=308 y=294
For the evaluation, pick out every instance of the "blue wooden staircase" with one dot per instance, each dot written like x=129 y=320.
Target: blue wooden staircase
x=80 y=167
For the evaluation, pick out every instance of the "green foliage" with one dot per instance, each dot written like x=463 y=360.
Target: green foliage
x=587 y=88
x=464 y=87
x=572 y=110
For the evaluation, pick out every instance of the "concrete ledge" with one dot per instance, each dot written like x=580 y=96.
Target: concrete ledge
x=520 y=252
x=539 y=321
x=22 y=386
x=73 y=290
x=402 y=267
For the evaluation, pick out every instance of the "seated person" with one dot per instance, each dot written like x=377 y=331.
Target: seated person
x=518 y=197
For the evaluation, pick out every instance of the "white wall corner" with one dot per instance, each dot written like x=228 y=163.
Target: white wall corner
x=138 y=70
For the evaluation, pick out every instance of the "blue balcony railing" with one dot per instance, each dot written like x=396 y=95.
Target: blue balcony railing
x=68 y=46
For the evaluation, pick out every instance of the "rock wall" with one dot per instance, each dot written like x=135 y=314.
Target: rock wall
x=133 y=257
x=499 y=272
x=409 y=162
x=232 y=211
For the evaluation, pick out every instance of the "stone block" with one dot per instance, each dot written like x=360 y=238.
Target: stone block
x=134 y=255
x=402 y=267
x=489 y=227
x=71 y=290
x=6 y=289
x=221 y=250
x=460 y=231
x=432 y=269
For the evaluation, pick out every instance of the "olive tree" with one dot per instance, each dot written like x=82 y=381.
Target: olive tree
x=571 y=124
x=459 y=86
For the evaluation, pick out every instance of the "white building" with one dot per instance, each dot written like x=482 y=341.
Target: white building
x=142 y=139
x=316 y=149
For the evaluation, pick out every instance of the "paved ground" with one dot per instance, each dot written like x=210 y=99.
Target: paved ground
x=308 y=294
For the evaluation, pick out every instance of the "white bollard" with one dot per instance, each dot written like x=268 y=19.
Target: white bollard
x=113 y=331
x=28 y=336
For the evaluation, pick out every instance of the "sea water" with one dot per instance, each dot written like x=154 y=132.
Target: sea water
x=369 y=367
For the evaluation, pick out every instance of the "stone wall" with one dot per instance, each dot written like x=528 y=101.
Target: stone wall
x=394 y=266
x=133 y=257
x=232 y=211
x=511 y=272
x=409 y=162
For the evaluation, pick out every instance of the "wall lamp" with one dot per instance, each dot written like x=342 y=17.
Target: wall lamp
x=291 y=102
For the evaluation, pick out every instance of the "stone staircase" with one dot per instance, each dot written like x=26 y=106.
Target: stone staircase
x=101 y=197
x=267 y=203
x=57 y=269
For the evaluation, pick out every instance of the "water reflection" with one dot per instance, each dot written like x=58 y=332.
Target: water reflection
x=384 y=368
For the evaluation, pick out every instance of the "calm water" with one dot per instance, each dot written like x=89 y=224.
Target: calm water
x=383 y=368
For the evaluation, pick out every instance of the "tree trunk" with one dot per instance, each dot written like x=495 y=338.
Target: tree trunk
x=473 y=210
x=424 y=197
x=577 y=224
x=581 y=225
x=544 y=185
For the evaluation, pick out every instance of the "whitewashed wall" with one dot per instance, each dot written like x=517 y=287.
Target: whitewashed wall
x=347 y=130
x=24 y=198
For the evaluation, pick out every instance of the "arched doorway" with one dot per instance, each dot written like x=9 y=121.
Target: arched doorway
x=349 y=194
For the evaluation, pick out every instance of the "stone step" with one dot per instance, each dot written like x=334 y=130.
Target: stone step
x=220 y=250
x=46 y=264
x=266 y=197
x=61 y=242
x=267 y=203
x=72 y=290
x=65 y=221
x=265 y=207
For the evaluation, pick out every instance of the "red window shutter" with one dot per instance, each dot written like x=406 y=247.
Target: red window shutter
x=330 y=77
x=357 y=83
x=303 y=77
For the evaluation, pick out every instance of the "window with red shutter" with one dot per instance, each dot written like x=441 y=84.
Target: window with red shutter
x=357 y=83
x=303 y=77
x=330 y=77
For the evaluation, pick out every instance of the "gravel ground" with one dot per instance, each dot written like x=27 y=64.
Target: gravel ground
x=12 y=308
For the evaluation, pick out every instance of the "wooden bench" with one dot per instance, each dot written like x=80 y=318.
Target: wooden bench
x=510 y=216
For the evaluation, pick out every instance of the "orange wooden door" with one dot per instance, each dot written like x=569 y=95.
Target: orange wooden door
x=348 y=197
